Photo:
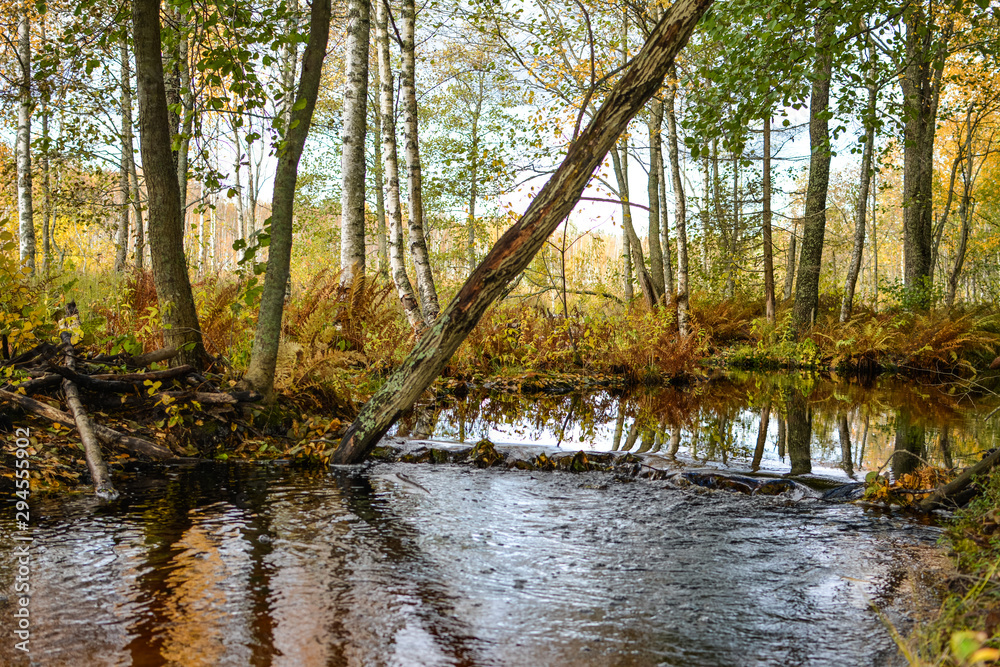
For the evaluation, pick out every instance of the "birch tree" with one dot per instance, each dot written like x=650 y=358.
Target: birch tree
x=355 y=126
x=418 y=243
x=25 y=207
x=394 y=216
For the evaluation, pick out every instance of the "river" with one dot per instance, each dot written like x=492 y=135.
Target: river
x=447 y=564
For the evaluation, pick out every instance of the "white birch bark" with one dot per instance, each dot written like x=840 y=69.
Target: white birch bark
x=680 y=206
x=25 y=208
x=394 y=216
x=418 y=242
x=355 y=125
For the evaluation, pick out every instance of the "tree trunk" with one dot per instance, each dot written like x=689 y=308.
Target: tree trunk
x=474 y=179
x=814 y=227
x=380 y=233
x=669 y=286
x=128 y=152
x=844 y=429
x=965 y=210
x=418 y=243
x=122 y=233
x=946 y=211
x=47 y=220
x=355 y=115
x=289 y=65
x=186 y=121
x=909 y=445
x=180 y=323
x=921 y=87
x=862 y=213
x=25 y=208
x=634 y=244
x=241 y=217
x=766 y=225
x=263 y=357
x=786 y=292
x=140 y=232
x=680 y=207
x=654 y=230
x=516 y=248
x=758 y=452
x=397 y=256
x=799 y=436
x=734 y=235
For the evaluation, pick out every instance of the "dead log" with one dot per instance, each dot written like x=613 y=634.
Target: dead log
x=93 y=384
x=516 y=248
x=103 y=433
x=165 y=374
x=38 y=354
x=945 y=495
x=164 y=354
x=103 y=487
x=205 y=398
x=54 y=378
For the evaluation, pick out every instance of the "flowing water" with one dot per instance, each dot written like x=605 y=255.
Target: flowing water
x=423 y=564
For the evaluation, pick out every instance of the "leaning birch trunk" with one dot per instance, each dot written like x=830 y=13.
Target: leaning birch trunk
x=264 y=355
x=418 y=243
x=518 y=246
x=25 y=209
x=680 y=207
x=103 y=487
x=862 y=213
x=355 y=125
x=397 y=257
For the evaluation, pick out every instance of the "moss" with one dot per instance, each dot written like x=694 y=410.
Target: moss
x=485 y=455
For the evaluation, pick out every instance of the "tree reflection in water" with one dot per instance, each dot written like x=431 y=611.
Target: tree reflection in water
x=782 y=423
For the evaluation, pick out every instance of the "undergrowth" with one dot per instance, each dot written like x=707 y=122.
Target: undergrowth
x=965 y=630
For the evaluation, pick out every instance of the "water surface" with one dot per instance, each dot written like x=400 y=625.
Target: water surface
x=422 y=564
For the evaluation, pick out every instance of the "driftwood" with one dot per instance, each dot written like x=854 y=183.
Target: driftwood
x=944 y=495
x=103 y=487
x=103 y=433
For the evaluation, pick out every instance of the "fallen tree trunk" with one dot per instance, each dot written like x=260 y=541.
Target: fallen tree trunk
x=941 y=497
x=103 y=487
x=103 y=433
x=515 y=250
x=95 y=381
